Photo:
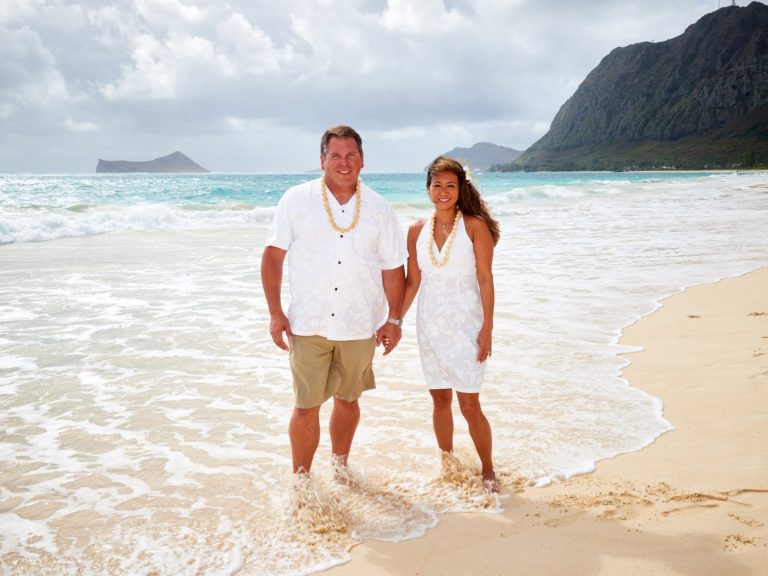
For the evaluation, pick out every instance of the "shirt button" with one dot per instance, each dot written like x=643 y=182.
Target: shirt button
x=332 y=314
x=335 y=288
x=339 y=261
x=341 y=235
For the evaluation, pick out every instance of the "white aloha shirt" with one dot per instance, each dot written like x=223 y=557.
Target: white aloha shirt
x=335 y=279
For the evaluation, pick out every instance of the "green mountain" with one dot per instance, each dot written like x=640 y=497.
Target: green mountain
x=176 y=162
x=696 y=101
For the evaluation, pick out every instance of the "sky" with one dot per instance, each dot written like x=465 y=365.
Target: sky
x=250 y=85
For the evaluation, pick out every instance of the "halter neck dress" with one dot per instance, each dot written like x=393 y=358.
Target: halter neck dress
x=449 y=314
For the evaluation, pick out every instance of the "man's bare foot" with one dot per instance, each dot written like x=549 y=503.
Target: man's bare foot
x=341 y=472
x=344 y=477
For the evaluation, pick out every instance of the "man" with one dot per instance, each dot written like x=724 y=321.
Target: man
x=347 y=278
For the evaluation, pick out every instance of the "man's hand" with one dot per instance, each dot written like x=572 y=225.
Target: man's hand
x=277 y=325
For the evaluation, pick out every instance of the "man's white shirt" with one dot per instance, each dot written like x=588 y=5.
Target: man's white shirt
x=335 y=278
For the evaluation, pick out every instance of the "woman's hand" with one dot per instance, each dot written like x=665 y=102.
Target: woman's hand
x=484 y=343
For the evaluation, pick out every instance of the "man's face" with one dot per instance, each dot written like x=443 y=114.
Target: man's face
x=342 y=164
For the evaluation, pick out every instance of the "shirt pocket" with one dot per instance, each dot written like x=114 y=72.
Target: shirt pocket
x=365 y=245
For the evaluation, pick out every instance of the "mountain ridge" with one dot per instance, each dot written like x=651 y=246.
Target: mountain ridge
x=699 y=100
x=483 y=155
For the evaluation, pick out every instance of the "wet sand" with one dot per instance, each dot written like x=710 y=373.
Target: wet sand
x=694 y=503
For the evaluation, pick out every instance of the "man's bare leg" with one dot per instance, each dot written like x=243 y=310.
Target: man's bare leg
x=343 y=424
x=304 y=432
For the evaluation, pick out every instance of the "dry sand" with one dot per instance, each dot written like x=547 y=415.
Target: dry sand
x=693 y=503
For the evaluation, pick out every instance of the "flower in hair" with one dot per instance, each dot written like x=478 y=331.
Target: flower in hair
x=467 y=173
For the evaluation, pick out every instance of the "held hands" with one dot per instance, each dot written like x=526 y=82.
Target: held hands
x=277 y=325
x=388 y=335
x=484 y=339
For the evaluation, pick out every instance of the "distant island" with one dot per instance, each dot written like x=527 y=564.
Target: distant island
x=176 y=162
x=483 y=155
x=697 y=101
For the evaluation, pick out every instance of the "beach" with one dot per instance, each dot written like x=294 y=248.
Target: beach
x=695 y=502
x=144 y=406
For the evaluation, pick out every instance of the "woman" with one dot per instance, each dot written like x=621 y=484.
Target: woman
x=449 y=257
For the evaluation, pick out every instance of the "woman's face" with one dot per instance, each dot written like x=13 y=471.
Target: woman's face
x=444 y=190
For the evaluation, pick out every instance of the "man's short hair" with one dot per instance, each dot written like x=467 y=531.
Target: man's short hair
x=340 y=132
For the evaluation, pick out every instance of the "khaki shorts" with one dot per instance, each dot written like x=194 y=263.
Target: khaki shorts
x=323 y=368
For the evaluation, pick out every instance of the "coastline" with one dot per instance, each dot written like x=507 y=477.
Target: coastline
x=693 y=502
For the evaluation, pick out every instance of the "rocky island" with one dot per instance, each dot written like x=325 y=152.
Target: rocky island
x=176 y=162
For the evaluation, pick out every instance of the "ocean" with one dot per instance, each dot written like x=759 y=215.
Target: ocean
x=144 y=407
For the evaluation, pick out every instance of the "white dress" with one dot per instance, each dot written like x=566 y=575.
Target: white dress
x=449 y=314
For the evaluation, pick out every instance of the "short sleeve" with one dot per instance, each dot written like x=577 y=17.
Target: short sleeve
x=392 y=249
x=279 y=234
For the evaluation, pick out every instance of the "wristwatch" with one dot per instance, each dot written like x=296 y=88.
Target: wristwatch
x=395 y=321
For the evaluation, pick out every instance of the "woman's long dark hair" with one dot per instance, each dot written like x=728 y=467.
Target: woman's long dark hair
x=470 y=202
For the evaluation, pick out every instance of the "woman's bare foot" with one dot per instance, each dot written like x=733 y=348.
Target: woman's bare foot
x=490 y=482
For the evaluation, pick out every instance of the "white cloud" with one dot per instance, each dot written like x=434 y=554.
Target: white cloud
x=112 y=28
x=423 y=17
x=178 y=67
x=244 y=125
x=74 y=126
x=399 y=134
x=12 y=11
x=29 y=77
x=538 y=129
x=170 y=11
x=6 y=110
x=187 y=66
x=334 y=45
x=152 y=74
x=248 y=49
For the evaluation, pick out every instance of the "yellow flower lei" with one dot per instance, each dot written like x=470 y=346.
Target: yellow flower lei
x=448 y=243
x=328 y=213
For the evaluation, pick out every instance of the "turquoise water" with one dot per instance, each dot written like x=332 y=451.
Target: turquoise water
x=45 y=207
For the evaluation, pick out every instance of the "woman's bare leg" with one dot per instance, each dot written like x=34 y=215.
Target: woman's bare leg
x=480 y=431
x=442 y=418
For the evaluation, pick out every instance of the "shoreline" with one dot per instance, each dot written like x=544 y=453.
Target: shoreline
x=694 y=501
